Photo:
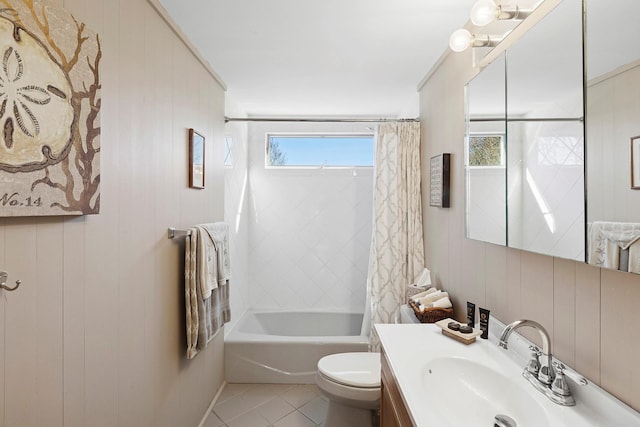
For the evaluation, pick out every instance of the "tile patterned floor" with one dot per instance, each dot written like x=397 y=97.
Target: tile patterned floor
x=269 y=405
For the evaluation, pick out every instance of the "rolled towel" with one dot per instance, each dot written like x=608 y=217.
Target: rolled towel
x=429 y=291
x=432 y=297
x=443 y=302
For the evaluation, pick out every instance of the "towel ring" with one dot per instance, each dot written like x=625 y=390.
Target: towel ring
x=3 y=280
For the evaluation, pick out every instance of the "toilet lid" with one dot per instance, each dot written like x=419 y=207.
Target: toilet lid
x=352 y=369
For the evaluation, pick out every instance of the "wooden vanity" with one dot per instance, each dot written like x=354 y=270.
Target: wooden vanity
x=393 y=411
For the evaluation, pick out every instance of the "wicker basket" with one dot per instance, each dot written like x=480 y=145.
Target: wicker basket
x=431 y=315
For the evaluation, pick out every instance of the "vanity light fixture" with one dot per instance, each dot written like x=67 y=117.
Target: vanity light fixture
x=483 y=12
x=462 y=39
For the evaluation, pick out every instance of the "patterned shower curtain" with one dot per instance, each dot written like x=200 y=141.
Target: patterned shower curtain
x=397 y=252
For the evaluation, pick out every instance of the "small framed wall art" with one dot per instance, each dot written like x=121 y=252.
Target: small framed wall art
x=196 y=159
x=440 y=180
x=635 y=162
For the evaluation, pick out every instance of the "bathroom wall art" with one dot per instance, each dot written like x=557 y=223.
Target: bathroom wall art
x=439 y=191
x=50 y=99
x=196 y=159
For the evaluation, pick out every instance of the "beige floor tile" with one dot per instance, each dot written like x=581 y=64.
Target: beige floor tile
x=232 y=390
x=249 y=419
x=301 y=394
x=275 y=409
x=213 y=421
x=295 y=419
x=240 y=404
x=315 y=410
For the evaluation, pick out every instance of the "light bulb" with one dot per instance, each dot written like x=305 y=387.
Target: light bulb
x=460 y=40
x=483 y=12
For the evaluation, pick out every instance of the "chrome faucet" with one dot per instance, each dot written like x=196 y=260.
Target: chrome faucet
x=543 y=378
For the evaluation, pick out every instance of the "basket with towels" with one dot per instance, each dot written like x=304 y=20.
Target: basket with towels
x=431 y=305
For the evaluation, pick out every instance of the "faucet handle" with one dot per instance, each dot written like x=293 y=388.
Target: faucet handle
x=579 y=379
x=533 y=365
x=559 y=384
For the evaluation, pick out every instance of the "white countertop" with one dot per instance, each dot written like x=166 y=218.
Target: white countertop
x=409 y=347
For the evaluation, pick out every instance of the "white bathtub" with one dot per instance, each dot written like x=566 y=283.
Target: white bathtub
x=284 y=347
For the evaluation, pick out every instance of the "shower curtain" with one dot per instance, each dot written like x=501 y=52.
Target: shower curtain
x=397 y=252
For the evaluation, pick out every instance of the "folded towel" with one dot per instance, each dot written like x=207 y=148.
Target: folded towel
x=432 y=297
x=207 y=262
x=219 y=233
x=606 y=239
x=416 y=297
x=443 y=302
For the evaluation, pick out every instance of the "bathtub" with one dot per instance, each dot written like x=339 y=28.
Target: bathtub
x=284 y=347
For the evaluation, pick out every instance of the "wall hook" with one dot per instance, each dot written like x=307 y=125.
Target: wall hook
x=3 y=280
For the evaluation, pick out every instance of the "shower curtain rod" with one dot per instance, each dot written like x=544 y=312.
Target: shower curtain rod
x=315 y=120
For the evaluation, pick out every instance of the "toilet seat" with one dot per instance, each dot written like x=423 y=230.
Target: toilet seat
x=359 y=370
x=351 y=379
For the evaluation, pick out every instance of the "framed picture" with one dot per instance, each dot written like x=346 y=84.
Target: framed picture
x=440 y=180
x=196 y=159
x=635 y=163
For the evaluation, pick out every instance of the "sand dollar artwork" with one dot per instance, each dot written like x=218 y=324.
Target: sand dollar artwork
x=49 y=112
x=35 y=103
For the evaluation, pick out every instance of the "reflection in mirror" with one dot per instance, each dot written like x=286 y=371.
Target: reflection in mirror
x=485 y=155
x=613 y=119
x=545 y=131
x=543 y=194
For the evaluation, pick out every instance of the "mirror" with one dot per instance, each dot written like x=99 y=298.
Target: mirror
x=485 y=156
x=537 y=192
x=613 y=119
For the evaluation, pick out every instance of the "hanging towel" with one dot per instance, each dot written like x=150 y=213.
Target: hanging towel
x=606 y=239
x=634 y=257
x=219 y=234
x=206 y=290
x=207 y=262
x=190 y=291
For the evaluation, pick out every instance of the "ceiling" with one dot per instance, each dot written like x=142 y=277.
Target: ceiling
x=321 y=58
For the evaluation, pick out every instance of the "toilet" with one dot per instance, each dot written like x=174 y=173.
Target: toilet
x=351 y=382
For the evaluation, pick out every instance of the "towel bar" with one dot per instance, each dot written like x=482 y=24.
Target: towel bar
x=173 y=232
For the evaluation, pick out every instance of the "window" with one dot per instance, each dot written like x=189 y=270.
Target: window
x=319 y=150
x=228 y=153
x=486 y=150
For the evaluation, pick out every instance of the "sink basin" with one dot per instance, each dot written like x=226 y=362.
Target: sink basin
x=471 y=394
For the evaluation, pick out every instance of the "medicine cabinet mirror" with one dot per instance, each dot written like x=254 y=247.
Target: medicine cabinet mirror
x=533 y=197
x=613 y=119
x=547 y=184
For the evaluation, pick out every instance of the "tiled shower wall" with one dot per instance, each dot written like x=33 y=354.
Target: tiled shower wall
x=236 y=189
x=309 y=229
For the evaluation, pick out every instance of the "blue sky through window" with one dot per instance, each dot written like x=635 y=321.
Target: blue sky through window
x=327 y=150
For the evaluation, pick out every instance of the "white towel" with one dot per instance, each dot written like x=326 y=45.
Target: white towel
x=219 y=233
x=416 y=297
x=432 y=297
x=443 y=302
x=606 y=239
x=208 y=265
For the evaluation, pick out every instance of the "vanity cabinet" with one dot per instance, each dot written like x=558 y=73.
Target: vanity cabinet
x=393 y=412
